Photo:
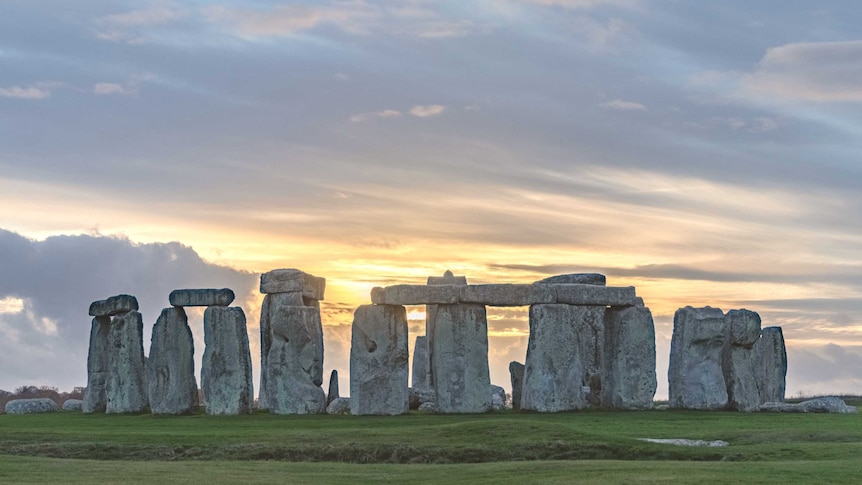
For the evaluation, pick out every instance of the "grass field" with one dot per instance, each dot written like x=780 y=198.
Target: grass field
x=504 y=447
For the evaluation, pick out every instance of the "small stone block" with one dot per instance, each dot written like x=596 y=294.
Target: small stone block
x=202 y=297
x=114 y=306
x=293 y=280
x=594 y=295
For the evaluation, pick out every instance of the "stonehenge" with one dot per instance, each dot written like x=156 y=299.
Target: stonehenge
x=171 y=384
x=379 y=361
x=462 y=380
x=628 y=375
x=226 y=368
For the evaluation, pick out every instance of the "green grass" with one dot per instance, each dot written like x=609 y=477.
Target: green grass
x=505 y=447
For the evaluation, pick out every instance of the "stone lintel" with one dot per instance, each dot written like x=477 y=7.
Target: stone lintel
x=507 y=294
x=575 y=278
x=202 y=297
x=113 y=306
x=293 y=280
x=575 y=294
x=416 y=295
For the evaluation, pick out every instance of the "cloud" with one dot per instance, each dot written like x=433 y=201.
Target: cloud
x=584 y=4
x=619 y=104
x=386 y=113
x=29 y=92
x=113 y=88
x=425 y=111
x=134 y=26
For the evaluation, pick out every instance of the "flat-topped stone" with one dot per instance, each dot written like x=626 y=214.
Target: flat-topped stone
x=416 y=295
x=31 y=406
x=114 y=306
x=507 y=294
x=447 y=279
x=202 y=297
x=581 y=294
x=291 y=280
x=575 y=279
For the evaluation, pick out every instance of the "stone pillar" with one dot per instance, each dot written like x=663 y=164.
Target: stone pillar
x=738 y=361
x=226 y=374
x=420 y=363
x=695 y=376
x=430 y=317
x=516 y=373
x=553 y=371
x=126 y=388
x=379 y=358
x=461 y=377
x=295 y=361
x=333 y=388
x=98 y=369
x=171 y=384
x=770 y=365
x=628 y=375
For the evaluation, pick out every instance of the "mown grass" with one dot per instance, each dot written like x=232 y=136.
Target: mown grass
x=504 y=447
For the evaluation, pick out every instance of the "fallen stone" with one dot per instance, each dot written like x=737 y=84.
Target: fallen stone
x=73 y=405
x=429 y=407
x=273 y=304
x=498 y=398
x=685 y=442
x=516 y=374
x=171 y=384
x=770 y=365
x=695 y=377
x=594 y=295
x=419 y=396
x=507 y=294
x=126 y=387
x=662 y=407
x=415 y=295
x=293 y=280
x=575 y=279
x=460 y=359
x=629 y=377
x=226 y=368
x=333 y=387
x=295 y=361
x=31 y=406
x=379 y=358
x=114 y=306
x=738 y=361
x=818 y=405
x=202 y=297
x=340 y=405
x=98 y=366
x=553 y=372
x=420 y=363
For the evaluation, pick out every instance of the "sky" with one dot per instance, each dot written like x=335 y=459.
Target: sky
x=707 y=153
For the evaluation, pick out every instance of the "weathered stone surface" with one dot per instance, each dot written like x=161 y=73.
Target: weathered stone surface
x=202 y=297
x=420 y=363
x=333 y=387
x=293 y=280
x=415 y=295
x=629 y=378
x=295 y=361
x=516 y=374
x=31 y=406
x=226 y=368
x=126 y=387
x=507 y=294
x=419 y=396
x=73 y=405
x=98 y=367
x=594 y=295
x=818 y=405
x=553 y=372
x=272 y=303
x=591 y=330
x=460 y=359
x=171 y=384
x=447 y=279
x=770 y=365
x=695 y=377
x=498 y=398
x=738 y=361
x=430 y=316
x=379 y=358
x=114 y=306
x=575 y=279
x=429 y=407
x=339 y=405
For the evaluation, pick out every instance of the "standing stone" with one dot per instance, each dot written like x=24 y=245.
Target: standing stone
x=379 y=358
x=460 y=371
x=516 y=372
x=126 y=388
x=171 y=384
x=271 y=303
x=295 y=361
x=739 y=360
x=431 y=314
x=498 y=398
x=770 y=366
x=553 y=372
x=629 y=379
x=695 y=377
x=98 y=367
x=333 y=387
x=591 y=334
x=420 y=363
x=226 y=368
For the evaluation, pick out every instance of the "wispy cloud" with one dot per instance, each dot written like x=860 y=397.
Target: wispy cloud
x=386 y=113
x=27 y=92
x=131 y=27
x=619 y=104
x=103 y=89
x=584 y=4
x=424 y=111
